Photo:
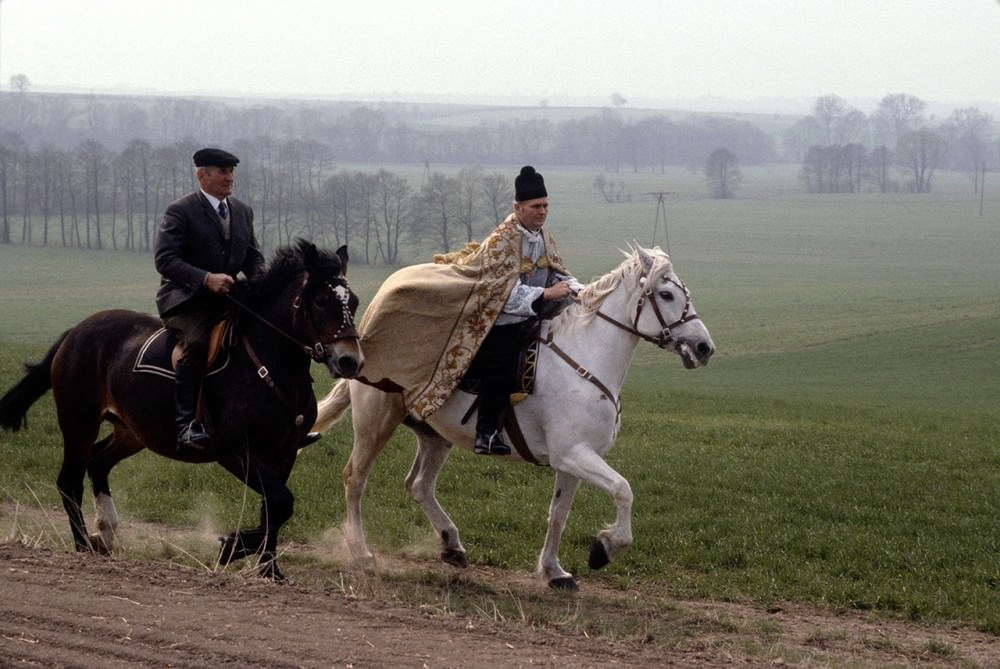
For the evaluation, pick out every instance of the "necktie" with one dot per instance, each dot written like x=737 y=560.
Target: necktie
x=222 y=209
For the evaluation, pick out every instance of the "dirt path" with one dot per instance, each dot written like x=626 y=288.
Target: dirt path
x=65 y=610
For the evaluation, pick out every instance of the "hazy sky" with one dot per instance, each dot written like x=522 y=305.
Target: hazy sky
x=512 y=51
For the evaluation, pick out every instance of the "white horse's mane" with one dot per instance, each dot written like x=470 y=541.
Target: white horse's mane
x=629 y=272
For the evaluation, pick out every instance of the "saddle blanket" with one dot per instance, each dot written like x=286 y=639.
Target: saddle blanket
x=155 y=356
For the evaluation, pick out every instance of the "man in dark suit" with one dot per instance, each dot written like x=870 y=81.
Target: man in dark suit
x=205 y=239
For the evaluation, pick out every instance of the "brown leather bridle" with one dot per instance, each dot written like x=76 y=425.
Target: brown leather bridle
x=665 y=338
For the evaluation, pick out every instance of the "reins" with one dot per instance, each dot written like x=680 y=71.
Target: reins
x=663 y=340
x=316 y=351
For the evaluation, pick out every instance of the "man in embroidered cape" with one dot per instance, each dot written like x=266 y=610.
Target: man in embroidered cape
x=429 y=322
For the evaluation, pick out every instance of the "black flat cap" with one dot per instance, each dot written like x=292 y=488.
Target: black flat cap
x=214 y=158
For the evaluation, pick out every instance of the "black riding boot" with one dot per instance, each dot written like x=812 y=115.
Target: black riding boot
x=190 y=432
x=489 y=423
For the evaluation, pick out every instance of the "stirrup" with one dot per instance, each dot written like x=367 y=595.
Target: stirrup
x=194 y=436
x=490 y=444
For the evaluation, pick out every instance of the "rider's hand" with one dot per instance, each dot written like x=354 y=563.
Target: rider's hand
x=557 y=291
x=219 y=283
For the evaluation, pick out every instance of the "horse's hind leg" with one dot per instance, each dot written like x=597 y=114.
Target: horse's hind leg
x=107 y=453
x=421 y=483
x=70 y=486
x=375 y=416
x=79 y=413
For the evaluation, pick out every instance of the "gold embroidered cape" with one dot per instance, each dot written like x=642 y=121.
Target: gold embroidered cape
x=426 y=322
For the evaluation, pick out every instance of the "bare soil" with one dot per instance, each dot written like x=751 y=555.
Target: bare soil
x=61 y=609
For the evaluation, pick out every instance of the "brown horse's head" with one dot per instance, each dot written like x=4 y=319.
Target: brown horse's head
x=311 y=286
x=325 y=310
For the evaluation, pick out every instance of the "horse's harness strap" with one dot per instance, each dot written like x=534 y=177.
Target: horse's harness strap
x=583 y=372
x=665 y=338
x=312 y=352
x=518 y=440
x=265 y=375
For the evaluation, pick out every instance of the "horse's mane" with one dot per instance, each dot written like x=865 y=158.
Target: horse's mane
x=286 y=265
x=592 y=296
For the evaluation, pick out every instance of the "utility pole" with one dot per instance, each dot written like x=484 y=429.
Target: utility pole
x=1 y=43
x=982 y=190
x=661 y=205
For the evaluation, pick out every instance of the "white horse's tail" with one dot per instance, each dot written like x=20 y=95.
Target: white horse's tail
x=332 y=408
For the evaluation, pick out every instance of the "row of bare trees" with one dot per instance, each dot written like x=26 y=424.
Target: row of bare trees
x=91 y=197
x=894 y=148
x=387 y=133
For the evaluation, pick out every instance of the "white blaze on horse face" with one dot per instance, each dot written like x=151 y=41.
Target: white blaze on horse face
x=342 y=293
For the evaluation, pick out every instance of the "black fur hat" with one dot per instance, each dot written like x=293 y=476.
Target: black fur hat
x=529 y=185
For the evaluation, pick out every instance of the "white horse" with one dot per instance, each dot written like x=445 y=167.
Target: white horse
x=569 y=422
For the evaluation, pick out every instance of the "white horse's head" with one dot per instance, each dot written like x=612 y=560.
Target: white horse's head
x=655 y=305
x=665 y=314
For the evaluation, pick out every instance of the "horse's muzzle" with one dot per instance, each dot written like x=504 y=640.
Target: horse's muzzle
x=694 y=354
x=344 y=359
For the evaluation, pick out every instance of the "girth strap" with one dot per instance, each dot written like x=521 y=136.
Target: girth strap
x=517 y=438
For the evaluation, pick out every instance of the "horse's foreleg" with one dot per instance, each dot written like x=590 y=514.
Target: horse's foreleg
x=421 y=483
x=277 y=506
x=581 y=461
x=549 y=567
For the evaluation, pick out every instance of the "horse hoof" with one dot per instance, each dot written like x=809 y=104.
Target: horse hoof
x=564 y=584
x=97 y=545
x=270 y=571
x=598 y=555
x=229 y=550
x=455 y=558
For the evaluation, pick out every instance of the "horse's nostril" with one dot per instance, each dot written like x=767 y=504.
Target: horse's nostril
x=347 y=366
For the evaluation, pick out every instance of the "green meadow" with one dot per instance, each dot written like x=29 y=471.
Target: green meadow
x=841 y=449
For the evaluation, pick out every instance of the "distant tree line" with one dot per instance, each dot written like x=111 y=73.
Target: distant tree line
x=90 y=197
x=96 y=172
x=385 y=133
x=895 y=148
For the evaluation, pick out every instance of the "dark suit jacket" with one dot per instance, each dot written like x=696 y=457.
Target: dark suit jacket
x=191 y=244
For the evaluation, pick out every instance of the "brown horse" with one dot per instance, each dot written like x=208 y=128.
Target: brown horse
x=257 y=398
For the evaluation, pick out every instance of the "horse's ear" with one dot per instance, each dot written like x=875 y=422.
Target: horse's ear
x=342 y=254
x=310 y=256
x=645 y=259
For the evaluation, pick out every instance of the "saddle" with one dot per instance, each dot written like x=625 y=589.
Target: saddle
x=159 y=354
x=527 y=366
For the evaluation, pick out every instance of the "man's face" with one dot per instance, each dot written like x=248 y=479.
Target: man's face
x=532 y=213
x=217 y=181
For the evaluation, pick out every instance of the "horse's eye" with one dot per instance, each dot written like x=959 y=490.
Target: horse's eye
x=321 y=299
x=667 y=296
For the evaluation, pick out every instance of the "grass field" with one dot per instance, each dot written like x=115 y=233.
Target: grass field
x=841 y=449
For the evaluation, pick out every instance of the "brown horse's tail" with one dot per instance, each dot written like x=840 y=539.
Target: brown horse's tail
x=36 y=382
x=332 y=408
